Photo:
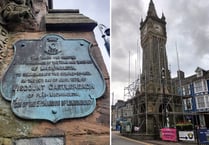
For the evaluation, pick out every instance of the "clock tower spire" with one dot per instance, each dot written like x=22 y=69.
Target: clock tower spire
x=153 y=42
x=151 y=10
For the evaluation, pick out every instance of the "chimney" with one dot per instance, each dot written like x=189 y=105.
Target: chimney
x=180 y=74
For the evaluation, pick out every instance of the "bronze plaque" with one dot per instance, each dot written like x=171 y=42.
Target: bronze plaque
x=52 y=79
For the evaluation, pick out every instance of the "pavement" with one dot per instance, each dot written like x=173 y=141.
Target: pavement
x=160 y=142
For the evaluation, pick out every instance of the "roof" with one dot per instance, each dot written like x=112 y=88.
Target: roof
x=199 y=69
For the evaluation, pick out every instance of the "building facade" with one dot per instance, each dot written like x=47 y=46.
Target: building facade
x=195 y=93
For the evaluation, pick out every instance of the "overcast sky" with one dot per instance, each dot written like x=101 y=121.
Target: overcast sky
x=98 y=10
x=187 y=26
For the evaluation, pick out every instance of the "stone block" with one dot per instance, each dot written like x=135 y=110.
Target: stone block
x=5 y=141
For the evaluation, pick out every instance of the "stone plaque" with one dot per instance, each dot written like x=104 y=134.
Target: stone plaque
x=41 y=141
x=52 y=79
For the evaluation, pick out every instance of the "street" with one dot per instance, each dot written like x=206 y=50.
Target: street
x=117 y=139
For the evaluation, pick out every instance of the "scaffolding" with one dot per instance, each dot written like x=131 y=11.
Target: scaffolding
x=131 y=89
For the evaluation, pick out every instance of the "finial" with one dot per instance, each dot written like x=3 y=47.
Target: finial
x=163 y=17
x=141 y=21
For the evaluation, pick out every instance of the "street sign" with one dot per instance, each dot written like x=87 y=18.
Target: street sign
x=203 y=135
x=186 y=135
x=52 y=78
x=168 y=134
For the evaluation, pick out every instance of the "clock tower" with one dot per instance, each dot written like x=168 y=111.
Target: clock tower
x=155 y=106
x=155 y=101
x=153 y=42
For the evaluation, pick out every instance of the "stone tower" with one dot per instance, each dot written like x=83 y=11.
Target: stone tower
x=155 y=106
x=153 y=42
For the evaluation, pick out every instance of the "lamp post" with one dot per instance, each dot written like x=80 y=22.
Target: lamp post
x=164 y=98
x=105 y=32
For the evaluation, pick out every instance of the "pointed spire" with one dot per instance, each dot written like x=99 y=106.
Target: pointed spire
x=163 y=17
x=151 y=10
x=141 y=21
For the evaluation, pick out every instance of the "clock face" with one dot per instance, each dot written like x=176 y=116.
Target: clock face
x=158 y=28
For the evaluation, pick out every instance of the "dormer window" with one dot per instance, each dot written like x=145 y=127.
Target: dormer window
x=199 y=72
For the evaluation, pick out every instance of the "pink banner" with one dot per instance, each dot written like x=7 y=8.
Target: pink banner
x=169 y=134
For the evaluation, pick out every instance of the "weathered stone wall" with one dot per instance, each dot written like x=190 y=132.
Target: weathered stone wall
x=93 y=129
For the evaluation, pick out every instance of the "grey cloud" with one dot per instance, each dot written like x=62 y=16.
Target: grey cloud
x=125 y=33
x=187 y=25
x=119 y=72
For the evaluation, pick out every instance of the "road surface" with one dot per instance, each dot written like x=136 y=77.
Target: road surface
x=117 y=139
